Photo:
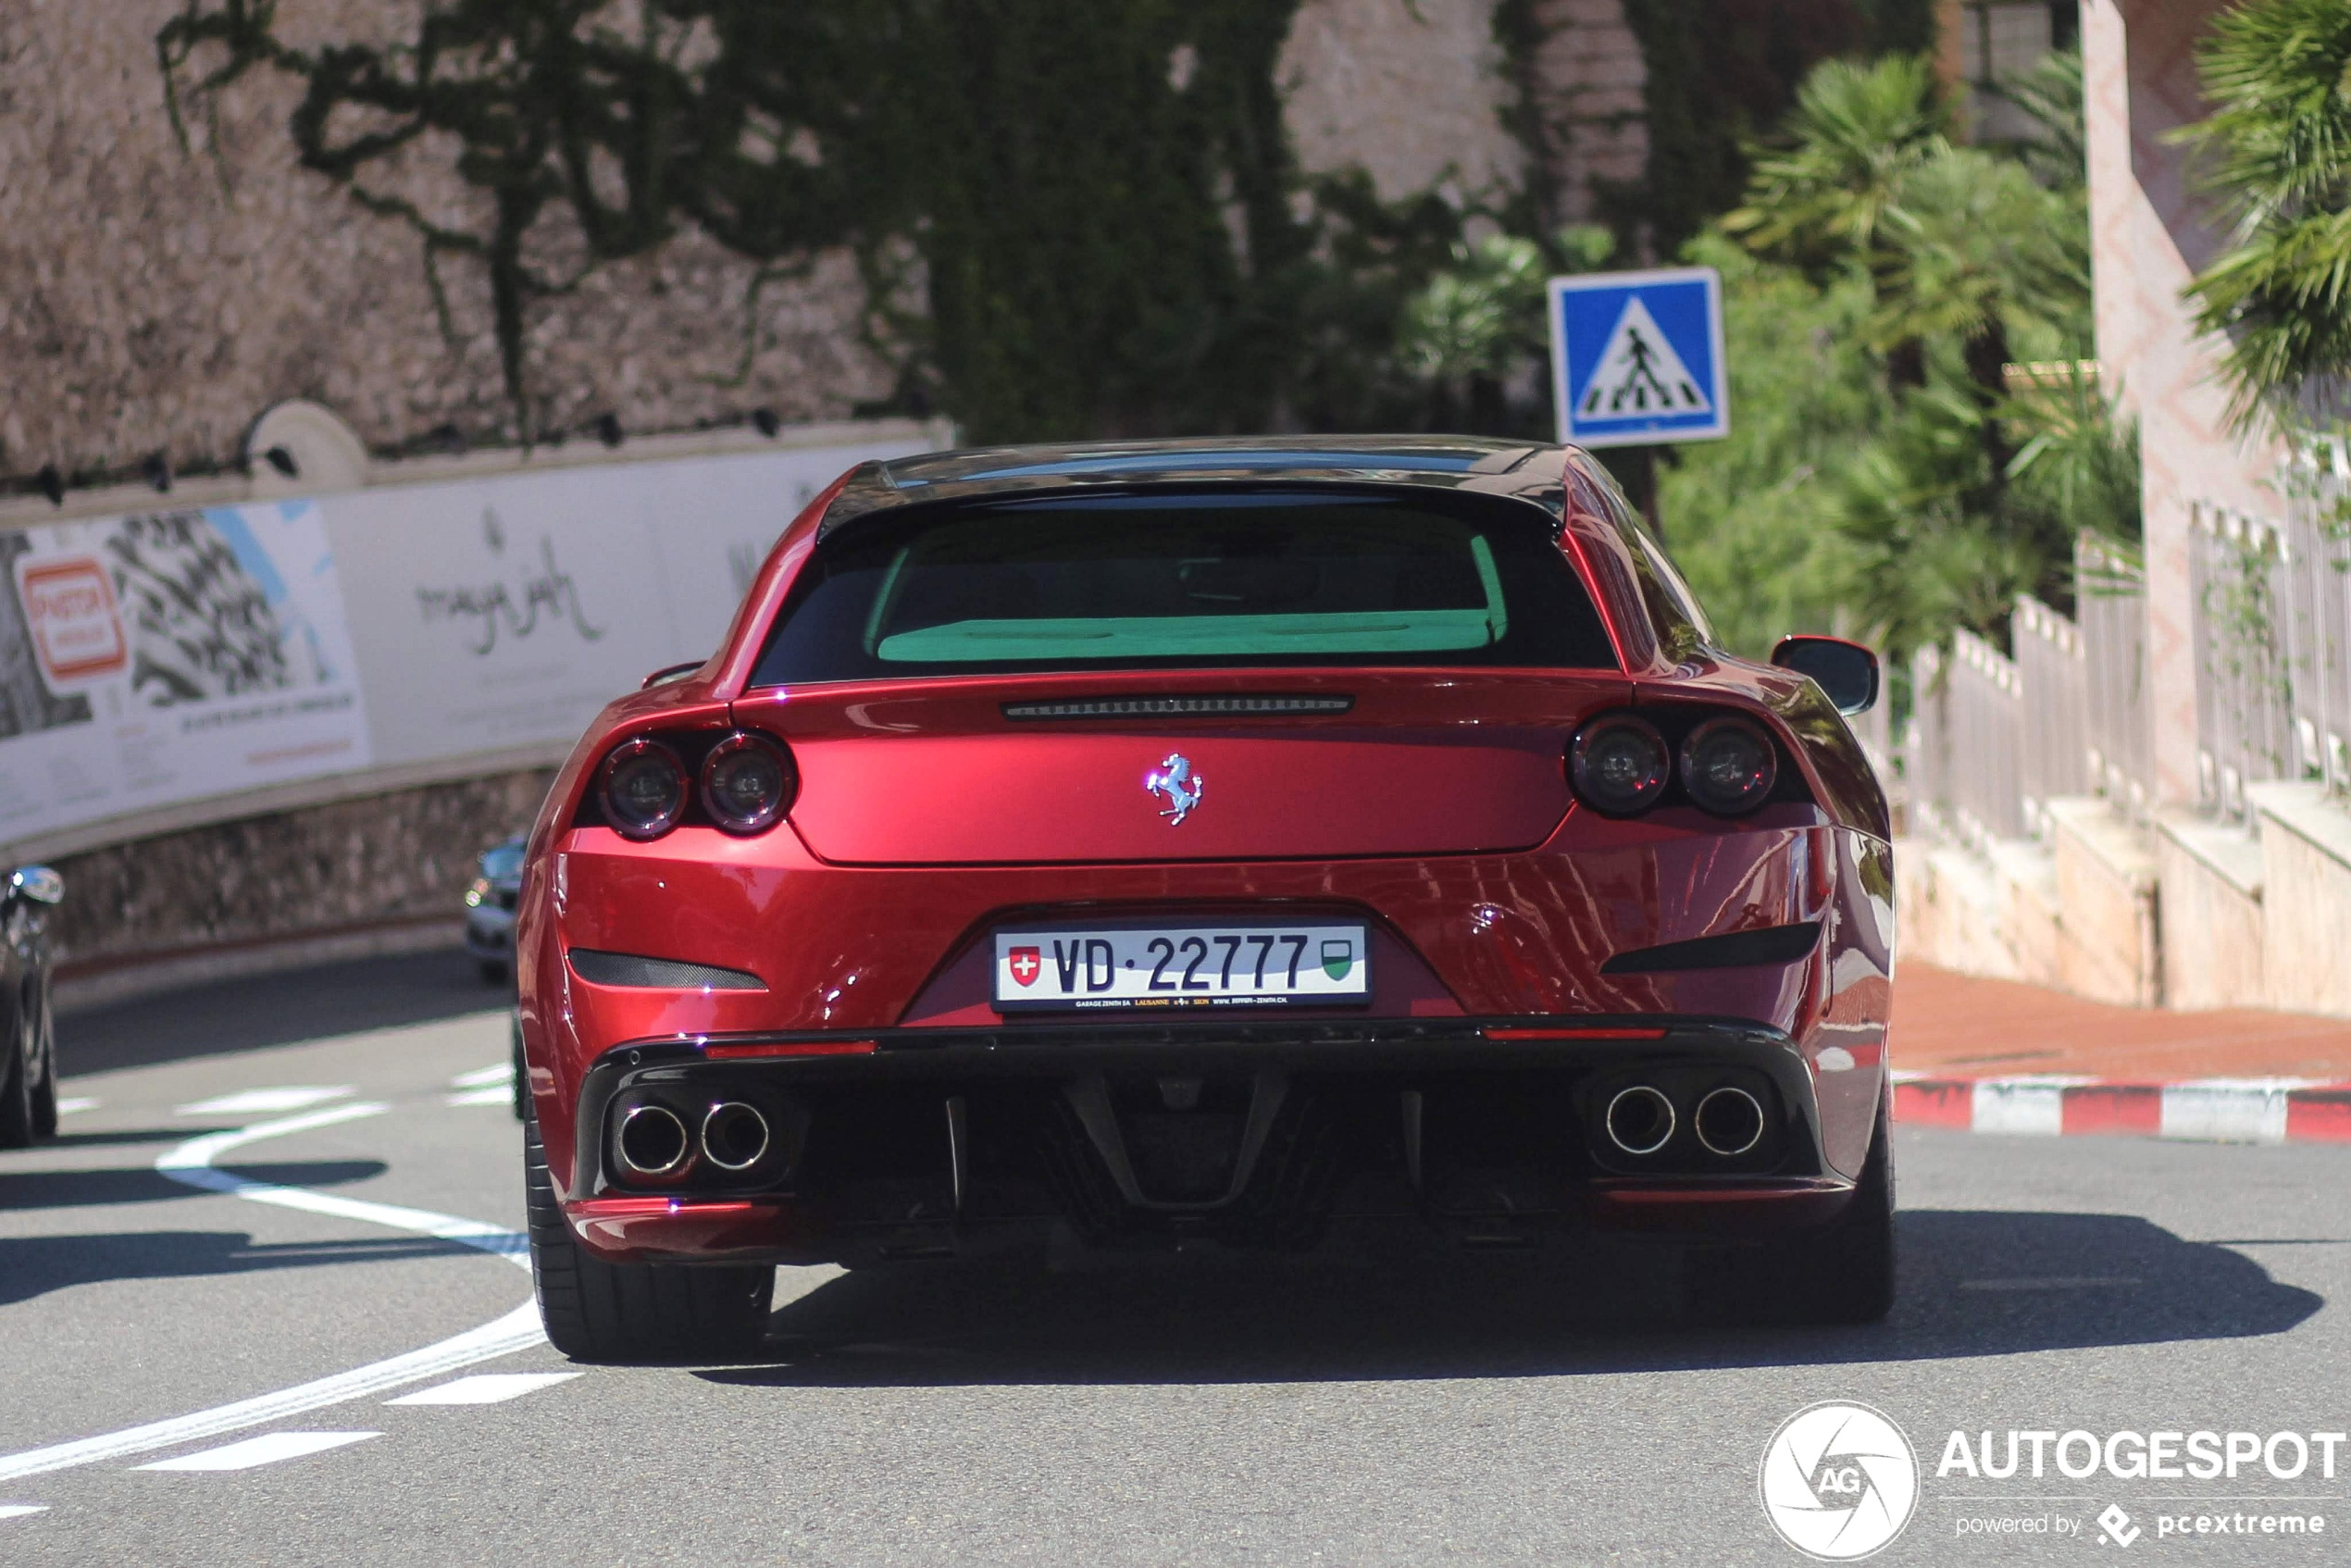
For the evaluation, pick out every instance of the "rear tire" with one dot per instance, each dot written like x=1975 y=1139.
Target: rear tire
x=493 y=970
x=522 y=1071
x=600 y=1311
x=1841 y=1272
x=15 y=1097
x=44 y=1088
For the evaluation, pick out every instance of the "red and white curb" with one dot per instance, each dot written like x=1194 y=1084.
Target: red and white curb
x=2213 y=1110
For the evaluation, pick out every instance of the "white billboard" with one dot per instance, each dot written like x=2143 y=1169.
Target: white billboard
x=169 y=656
x=161 y=658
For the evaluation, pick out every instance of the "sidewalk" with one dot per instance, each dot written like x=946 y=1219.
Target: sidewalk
x=1999 y=1056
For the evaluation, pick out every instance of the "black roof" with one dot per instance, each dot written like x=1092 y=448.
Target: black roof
x=1447 y=462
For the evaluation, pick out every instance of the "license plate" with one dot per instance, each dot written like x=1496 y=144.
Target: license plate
x=1315 y=963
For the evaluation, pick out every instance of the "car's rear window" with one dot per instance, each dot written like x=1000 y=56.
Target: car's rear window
x=1182 y=582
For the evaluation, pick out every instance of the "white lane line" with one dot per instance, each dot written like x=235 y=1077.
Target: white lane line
x=74 y=1105
x=189 y=1164
x=496 y=1073
x=485 y=1388
x=496 y=1094
x=18 y=1509
x=260 y=1101
x=269 y=1448
x=518 y=1330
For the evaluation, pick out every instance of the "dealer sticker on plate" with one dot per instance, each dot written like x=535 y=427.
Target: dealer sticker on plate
x=1133 y=968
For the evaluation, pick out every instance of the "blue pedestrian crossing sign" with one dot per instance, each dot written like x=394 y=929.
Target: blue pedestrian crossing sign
x=1637 y=358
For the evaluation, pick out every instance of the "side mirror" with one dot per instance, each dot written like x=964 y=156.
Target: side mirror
x=1846 y=671
x=36 y=884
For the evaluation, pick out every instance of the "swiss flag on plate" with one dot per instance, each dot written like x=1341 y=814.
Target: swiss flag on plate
x=1027 y=964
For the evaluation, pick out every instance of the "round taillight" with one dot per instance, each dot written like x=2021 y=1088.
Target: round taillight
x=644 y=788
x=747 y=784
x=1620 y=765
x=1729 y=766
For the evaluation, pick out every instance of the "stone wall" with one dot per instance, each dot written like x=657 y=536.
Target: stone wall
x=293 y=876
x=1411 y=94
x=155 y=299
x=1420 y=95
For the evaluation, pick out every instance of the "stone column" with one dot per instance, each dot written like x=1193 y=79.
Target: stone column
x=2150 y=231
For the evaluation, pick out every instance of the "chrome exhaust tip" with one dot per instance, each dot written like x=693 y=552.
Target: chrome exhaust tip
x=653 y=1141
x=734 y=1136
x=1639 y=1119
x=1728 y=1122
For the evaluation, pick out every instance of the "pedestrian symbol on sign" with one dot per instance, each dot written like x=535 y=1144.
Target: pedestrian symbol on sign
x=1640 y=372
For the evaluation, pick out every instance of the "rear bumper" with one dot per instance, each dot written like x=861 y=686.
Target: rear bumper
x=924 y=1140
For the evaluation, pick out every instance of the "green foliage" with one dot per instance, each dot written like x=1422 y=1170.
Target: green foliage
x=2278 y=153
x=2057 y=148
x=1719 y=72
x=1748 y=516
x=1880 y=478
x=1858 y=130
x=1477 y=330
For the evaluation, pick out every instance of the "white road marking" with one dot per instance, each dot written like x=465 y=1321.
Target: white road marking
x=74 y=1105
x=18 y=1509
x=190 y=1164
x=496 y=1073
x=518 y=1330
x=485 y=1388
x=259 y=1101
x=269 y=1448
x=496 y=1094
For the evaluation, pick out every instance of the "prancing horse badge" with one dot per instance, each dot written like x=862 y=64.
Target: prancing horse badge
x=1174 y=780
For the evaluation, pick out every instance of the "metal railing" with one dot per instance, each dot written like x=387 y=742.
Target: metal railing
x=2117 y=719
x=1994 y=739
x=2242 y=643
x=2316 y=561
x=2053 y=688
x=1966 y=729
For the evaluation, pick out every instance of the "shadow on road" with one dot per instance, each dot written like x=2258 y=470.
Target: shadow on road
x=1972 y=1284
x=267 y=1010
x=143 y=1184
x=34 y=1265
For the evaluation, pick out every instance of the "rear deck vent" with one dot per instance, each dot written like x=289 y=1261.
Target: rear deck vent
x=1177 y=707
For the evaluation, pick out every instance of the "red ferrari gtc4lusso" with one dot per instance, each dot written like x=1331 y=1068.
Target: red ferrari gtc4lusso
x=1216 y=840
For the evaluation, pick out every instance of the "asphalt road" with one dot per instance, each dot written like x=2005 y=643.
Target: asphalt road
x=175 y=1294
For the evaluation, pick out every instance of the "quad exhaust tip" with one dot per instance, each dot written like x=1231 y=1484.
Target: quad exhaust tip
x=1728 y=1121
x=1639 y=1119
x=653 y=1141
x=734 y=1136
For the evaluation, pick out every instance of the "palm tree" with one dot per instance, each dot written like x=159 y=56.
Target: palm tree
x=1857 y=131
x=2278 y=153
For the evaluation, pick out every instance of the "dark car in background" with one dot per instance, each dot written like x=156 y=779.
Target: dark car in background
x=29 y=1068
x=490 y=908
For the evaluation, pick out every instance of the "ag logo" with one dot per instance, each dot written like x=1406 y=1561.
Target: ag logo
x=1839 y=1481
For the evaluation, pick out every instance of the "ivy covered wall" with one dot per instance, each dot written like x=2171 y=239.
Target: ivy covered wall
x=503 y=219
